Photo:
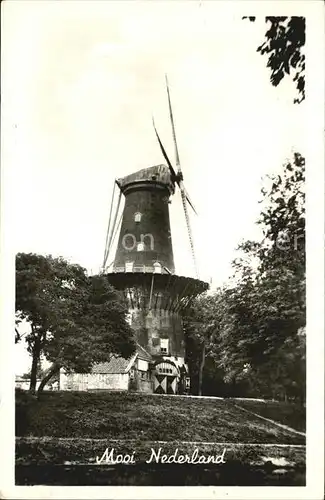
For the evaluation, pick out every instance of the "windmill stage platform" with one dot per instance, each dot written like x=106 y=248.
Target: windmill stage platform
x=151 y=291
x=156 y=302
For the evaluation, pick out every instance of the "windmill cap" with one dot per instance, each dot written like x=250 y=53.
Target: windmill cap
x=158 y=175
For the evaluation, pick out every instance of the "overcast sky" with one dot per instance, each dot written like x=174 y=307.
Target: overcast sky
x=85 y=79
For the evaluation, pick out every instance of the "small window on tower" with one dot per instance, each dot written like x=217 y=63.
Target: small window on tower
x=129 y=267
x=157 y=267
x=137 y=217
x=164 y=346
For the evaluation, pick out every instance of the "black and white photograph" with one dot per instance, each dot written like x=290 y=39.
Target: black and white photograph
x=156 y=181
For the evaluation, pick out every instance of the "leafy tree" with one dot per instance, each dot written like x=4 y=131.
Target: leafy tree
x=249 y=330
x=75 y=320
x=266 y=308
x=92 y=329
x=284 y=43
x=283 y=219
x=194 y=344
x=259 y=332
x=199 y=323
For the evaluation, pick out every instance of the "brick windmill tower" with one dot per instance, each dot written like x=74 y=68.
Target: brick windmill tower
x=143 y=267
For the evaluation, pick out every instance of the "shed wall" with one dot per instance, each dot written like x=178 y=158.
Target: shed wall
x=90 y=381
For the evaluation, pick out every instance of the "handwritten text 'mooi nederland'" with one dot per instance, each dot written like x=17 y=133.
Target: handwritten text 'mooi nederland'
x=110 y=457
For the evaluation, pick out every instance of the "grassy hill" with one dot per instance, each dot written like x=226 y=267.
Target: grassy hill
x=130 y=416
x=65 y=431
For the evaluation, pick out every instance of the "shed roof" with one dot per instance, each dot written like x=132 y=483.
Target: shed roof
x=143 y=354
x=117 y=364
x=114 y=365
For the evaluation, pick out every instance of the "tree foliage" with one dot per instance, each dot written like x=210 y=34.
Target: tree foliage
x=283 y=219
x=272 y=295
x=76 y=320
x=199 y=323
x=253 y=329
x=283 y=44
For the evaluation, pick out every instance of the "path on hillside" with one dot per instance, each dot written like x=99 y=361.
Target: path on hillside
x=285 y=427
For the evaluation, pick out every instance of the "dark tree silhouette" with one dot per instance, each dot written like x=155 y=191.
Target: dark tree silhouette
x=284 y=42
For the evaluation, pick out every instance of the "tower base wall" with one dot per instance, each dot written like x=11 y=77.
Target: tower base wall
x=160 y=332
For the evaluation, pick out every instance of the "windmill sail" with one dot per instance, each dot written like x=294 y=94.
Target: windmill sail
x=164 y=153
x=178 y=165
x=184 y=195
x=112 y=228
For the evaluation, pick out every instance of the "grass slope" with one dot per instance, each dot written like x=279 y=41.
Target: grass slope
x=289 y=414
x=126 y=416
x=60 y=435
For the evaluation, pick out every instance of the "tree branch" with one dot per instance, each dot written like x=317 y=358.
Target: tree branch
x=50 y=373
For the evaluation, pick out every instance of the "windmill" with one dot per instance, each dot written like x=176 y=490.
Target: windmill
x=143 y=267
